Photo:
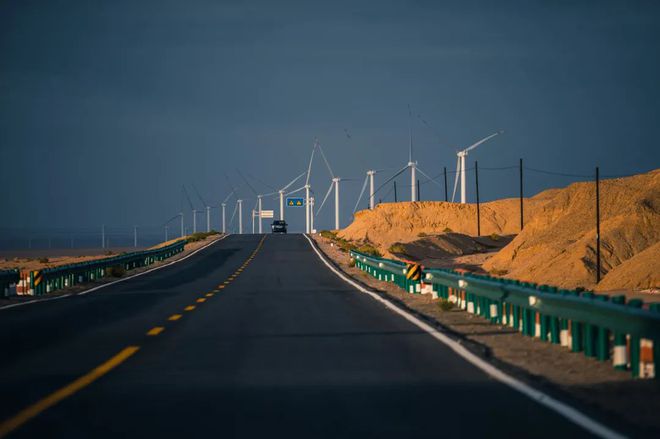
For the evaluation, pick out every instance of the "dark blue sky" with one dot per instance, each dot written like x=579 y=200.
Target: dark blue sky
x=107 y=108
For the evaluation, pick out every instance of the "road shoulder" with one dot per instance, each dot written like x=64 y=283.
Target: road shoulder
x=600 y=389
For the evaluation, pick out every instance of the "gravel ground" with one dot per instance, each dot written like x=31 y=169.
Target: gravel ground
x=595 y=385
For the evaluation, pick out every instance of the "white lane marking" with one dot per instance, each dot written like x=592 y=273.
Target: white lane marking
x=563 y=409
x=113 y=282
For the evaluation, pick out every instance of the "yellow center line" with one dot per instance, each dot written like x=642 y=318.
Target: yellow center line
x=174 y=317
x=221 y=286
x=155 y=330
x=209 y=294
x=35 y=409
x=189 y=308
x=201 y=300
x=226 y=282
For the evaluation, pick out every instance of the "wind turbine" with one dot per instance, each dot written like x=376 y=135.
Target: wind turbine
x=194 y=211
x=333 y=184
x=307 y=188
x=460 y=166
x=282 y=192
x=208 y=209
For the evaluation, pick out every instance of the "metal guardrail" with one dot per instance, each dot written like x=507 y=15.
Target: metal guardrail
x=51 y=279
x=8 y=278
x=601 y=326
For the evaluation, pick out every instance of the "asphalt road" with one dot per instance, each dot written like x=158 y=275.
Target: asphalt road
x=285 y=349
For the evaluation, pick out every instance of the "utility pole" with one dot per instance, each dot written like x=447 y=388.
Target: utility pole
x=395 y=199
x=103 y=236
x=194 y=212
x=208 y=219
x=224 y=230
x=281 y=192
x=182 y=228
x=240 y=216
x=446 y=193
x=260 y=225
x=418 y=197
x=253 y=221
x=166 y=234
x=597 y=225
x=371 y=188
x=521 y=194
x=135 y=236
x=476 y=176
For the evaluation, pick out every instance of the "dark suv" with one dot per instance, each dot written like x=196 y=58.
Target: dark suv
x=278 y=226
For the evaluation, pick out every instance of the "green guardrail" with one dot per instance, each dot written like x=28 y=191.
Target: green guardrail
x=51 y=279
x=601 y=326
x=8 y=278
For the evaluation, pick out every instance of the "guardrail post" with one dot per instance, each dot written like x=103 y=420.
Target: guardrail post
x=589 y=333
x=655 y=349
x=634 y=344
x=602 y=336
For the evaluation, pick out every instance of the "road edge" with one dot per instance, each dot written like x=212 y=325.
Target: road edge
x=91 y=290
x=571 y=413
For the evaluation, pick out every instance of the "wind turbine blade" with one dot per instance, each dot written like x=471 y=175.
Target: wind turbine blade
x=295 y=191
x=228 y=196
x=364 y=186
x=458 y=171
x=185 y=191
x=430 y=178
x=482 y=141
x=199 y=196
x=326 y=197
x=326 y=161
x=309 y=168
x=390 y=179
x=233 y=214
x=246 y=182
x=293 y=181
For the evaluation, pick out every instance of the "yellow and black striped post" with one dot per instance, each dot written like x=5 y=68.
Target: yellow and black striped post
x=413 y=276
x=413 y=272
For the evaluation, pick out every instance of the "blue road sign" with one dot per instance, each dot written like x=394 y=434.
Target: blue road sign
x=295 y=202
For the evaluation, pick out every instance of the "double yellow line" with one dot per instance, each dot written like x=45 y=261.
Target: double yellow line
x=54 y=398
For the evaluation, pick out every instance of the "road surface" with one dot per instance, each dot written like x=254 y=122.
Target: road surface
x=281 y=348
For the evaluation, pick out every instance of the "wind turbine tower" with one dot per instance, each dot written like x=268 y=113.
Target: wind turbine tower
x=240 y=216
x=370 y=175
x=460 y=166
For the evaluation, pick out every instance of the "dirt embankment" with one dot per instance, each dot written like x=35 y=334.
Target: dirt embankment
x=404 y=222
x=557 y=245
